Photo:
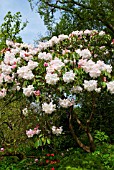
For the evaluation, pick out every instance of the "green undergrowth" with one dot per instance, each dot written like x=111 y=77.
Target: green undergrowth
x=70 y=159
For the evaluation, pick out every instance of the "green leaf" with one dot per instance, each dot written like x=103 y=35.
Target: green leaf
x=104 y=84
x=43 y=140
x=48 y=141
x=40 y=135
x=40 y=142
x=36 y=144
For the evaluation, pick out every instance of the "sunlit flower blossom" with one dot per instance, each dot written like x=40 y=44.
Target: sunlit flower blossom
x=68 y=76
x=57 y=130
x=85 y=54
x=28 y=91
x=65 y=103
x=32 y=64
x=101 y=33
x=30 y=133
x=3 y=93
x=90 y=85
x=51 y=78
x=48 y=108
x=45 y=56
x=110 y=87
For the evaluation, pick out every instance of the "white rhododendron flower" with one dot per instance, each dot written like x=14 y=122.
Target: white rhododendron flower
x=3 y=93
x=48 y=108
x=108 y=68
x=63 y=37
x=110 y=87
x=57 y=130
x=28 y=75
x=90 y=85
x=68 y=76
x=6 y=69
x=51 y=78
x=87 y=32
x=1 y=78
x=45 y=56
x=25 y=111
x=26 y=56
x=8 y=78
x=77 y=33
x=29 y=133
x=101 y=33
x=9 y=58
x=85 y=54
x=9 y=43
x=54 y=40
x=32 y=65
x=98 y=90
x=76 y=89
x=65 y=103
x=25 y=73
x=55 y=64
x=28 y=91
x=94 y=69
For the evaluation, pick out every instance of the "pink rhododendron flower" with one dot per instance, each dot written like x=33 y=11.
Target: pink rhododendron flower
x=45 y=64
x=37 y=93
x=2 y=149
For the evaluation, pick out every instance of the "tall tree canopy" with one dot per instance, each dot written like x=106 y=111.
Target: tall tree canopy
x=11 y=28
x=80 y=14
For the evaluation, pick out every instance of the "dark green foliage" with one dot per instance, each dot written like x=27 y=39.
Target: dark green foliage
x=104 y=113
x=62 y=16
x=72 y=159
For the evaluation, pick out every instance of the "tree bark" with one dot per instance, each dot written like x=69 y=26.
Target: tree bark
x=91 y=147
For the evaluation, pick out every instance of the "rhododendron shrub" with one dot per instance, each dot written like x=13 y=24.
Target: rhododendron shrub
x=67 y=65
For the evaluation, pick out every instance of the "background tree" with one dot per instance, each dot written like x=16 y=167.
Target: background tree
x=79 y=14
x=10 y=129
x=11 y=28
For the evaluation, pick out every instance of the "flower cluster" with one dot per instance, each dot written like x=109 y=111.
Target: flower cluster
x=55 y=64
x=57 y=130
x=54 y=40
x=66 y=64
x=65 y=103
x=85 y=54
x=51 y=74
x=90 y=85
x=51 y=78
x=28 y=91
x=20 y=62
x=30 y=133
x=94 y=69
x=110 y=87
x=68 y=76
x=48 y=108
x=45 y=56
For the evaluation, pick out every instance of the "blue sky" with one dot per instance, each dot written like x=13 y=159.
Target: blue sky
x=35 y=26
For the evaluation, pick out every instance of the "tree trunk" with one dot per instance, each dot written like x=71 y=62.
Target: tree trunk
x=91 y=147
